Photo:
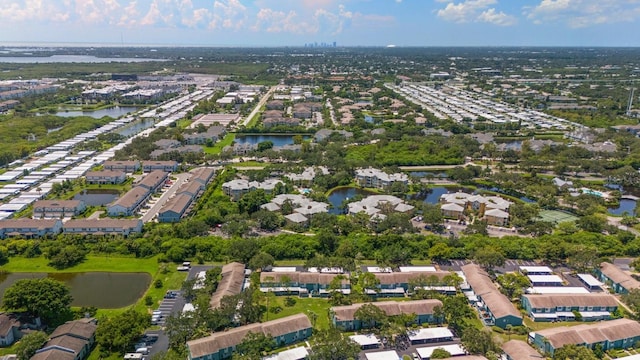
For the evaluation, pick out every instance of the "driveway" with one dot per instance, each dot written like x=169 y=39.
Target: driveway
x=168 y=193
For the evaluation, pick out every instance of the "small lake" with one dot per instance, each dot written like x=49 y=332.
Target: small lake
x=626 y=205
x=135 y=127
x=97 y=197
x=69 y=59
x=337 y=196
x=433 y=197
x=114 y=112
x=277 y=140
x=104 y=290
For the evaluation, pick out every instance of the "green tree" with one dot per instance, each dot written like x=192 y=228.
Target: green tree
x=432 y=215
x=244 y=249
x=440 y=251
x=478 y=341
x=251 y=201
x=440 y=354
x=253 y=346
x=512 y=284
x=574 y=352
x=29 y=343
x=261 y=261
x=489 y=257
x=371 y=316
x=265 y=145
x=331 y=345
x=267 y=220
x=120 y=331
x=45 y=298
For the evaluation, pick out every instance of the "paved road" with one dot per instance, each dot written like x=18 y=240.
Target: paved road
x=259 y=106
x=151 y=213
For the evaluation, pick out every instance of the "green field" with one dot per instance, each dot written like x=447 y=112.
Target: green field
x=217 y=147
x=556 y=216
x=303 y=306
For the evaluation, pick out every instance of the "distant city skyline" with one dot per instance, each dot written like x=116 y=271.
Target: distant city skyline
x=300 y=22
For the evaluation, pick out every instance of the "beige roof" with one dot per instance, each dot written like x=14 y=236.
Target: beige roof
x=76 y=328
x=230 y=283
x=391 y=308
x=56 y=203
x=482 y=285
x=573 y=300
x=222 y=340
x=300 y=277
x=618 y=276
x=105 y=173
x=53 y=354
x=101 y=223
x=612 y=330
x=154 y=178
x=176 y=204
x=121 y=163
x=409 y=276
x=7 y=321
x=520 y=350
x=203 y=173
x=131 y=197
x=192 y=187
x=68 y=342
x=28 y=223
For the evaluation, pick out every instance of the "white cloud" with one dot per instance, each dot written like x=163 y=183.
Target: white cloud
x=497 y=18
x=465 y=11
x=319 y=21
x=29 y=10
x=229 y=14
x=583 y=13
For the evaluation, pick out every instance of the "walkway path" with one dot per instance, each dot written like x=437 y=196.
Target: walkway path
x=259 y=106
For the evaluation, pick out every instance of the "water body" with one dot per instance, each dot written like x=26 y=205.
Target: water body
x=114 y=112
x=97 y=197
x=424 y=174
x=135 y=127
x=277 y=140
x=626 y=205
x=104 y=290
x=69 y=59
x=337 y=196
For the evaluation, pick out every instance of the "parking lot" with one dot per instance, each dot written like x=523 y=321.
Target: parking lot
x=509 y=265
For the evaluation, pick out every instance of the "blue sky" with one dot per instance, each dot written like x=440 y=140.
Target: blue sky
x=348 y=22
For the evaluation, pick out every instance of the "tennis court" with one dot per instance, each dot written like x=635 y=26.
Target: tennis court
x=556 y=216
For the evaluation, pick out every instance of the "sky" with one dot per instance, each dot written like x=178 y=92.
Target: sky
x=347 y=22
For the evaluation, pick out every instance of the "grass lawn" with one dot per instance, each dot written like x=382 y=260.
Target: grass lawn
x=217 y=147
x=249 y=164
x=535 y=326
x=304 y=306
x=92 y=263
x=9 y=349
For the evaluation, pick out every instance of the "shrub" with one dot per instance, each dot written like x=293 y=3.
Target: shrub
x=289 y=301
x=158 y=284
x=275 y=309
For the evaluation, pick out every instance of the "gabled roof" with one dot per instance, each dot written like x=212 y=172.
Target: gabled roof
x=618 y=276
x=520 y=350
x=79 y=329
x=482 y=286
x=391 y=308
x=231 y=338
x=612 y=330
x=573 y=300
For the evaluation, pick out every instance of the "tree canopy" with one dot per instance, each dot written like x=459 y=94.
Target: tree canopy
x=45 y=298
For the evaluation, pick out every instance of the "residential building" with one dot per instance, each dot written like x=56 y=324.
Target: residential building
x=520 y=350
x=241 y=148
x=430 y=335
x=57 y=209
x=214 y=134
x=323 y=134
x=453 y=211
x=297 y=353
x=344 y=316
x=619 y=281
x=203 y=175
x=275 y=105
x=299 y=203
x=231 y=283
x=397 y=284
x=9 y=329
x=221 y=345
x=307 y=176
x=374 y=178
x=153 y=181
x=280 y=121
x=568 y=307
x=70 y=341
x=494 y=307
x=236 y=188
x=494 y=209
x=167 y=143
x=126 y=166
x=301 y=283
x=614 y=334
x=174 y=209
x=123 y=227
x=376 y=206
x=29 y=228
x=105 y=177
x=129 y=203
x=192 y=188
x=167 y=166
x=302 y=111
